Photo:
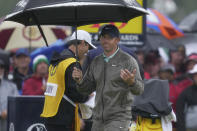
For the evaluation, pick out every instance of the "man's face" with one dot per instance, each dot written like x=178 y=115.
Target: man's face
x=190 y=65
x=42 y=68
x=109 y=43
x=166 y=76
x=83 y=48
x=22 y=61
x=177 y=57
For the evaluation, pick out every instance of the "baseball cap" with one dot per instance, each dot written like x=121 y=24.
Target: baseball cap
x=109 y=29
x=168 y=68
x=193 y=56
x=22 y=51
x=82 y=35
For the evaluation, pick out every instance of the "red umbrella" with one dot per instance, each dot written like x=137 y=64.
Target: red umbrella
x=161 y=23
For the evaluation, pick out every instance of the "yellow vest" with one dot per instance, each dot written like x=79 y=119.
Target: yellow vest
x=55 y=90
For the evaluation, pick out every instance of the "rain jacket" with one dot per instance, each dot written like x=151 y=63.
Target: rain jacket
x=153 y=103
x=113 y=96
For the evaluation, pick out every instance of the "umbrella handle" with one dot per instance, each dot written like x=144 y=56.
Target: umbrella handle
x=40 y=29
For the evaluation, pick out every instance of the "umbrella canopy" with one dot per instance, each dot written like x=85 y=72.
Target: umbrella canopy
x=189 y=23
x=189 y=41
x=163 y=24
x=4 y=55
x=14 y=35
x=74 y=12
x=57 y=46
x=155 y=40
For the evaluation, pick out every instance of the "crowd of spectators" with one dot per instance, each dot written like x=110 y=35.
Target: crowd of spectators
x=31 y=80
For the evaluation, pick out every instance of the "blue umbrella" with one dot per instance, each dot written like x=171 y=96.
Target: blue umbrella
x=58 y=46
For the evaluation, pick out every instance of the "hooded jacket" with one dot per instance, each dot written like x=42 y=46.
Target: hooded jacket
x=154 y=102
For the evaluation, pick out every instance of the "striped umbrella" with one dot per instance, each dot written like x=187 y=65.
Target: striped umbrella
x=14 y=35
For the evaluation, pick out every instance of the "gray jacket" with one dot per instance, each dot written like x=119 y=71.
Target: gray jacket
x=113 y=96
x=154 y=101
x=7 y=88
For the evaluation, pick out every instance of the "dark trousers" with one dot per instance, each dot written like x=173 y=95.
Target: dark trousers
x=53 y=127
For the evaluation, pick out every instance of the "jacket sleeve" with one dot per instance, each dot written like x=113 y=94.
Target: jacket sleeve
x=70 y=84
x=88 y=84
x=29 y=88
x=180 y=107
x=138 y=86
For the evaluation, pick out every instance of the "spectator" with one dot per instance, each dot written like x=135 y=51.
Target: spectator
x=140 y=55
x=177 y=60
x=167 y=73
x=152 y=65
x=22 y=67
x=191 y=61
x=7 y=88
x=186 y=100
x=36 y=84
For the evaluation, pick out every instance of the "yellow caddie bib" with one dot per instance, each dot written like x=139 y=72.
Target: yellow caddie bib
x=55 y=90
x=55 y=87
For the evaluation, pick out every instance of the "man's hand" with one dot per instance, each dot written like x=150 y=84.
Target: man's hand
x=127 y=76
x=77 y=74
x=44 y=88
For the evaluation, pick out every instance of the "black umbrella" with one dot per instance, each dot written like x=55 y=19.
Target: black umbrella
x=189 y=23
x=189 y=40
x=154 y=40
x=74 y=12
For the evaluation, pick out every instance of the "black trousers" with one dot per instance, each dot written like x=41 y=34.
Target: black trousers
x=53 y=127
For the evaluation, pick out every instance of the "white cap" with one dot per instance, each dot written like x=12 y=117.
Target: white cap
x=83 y=35
x=194 y=70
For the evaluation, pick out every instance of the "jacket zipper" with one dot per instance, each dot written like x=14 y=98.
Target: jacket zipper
x=103 y=89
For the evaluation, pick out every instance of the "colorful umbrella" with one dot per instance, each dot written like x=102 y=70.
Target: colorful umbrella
x=163 y=24
x=14 y=35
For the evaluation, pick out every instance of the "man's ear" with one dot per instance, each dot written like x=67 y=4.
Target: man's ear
x=118 y=39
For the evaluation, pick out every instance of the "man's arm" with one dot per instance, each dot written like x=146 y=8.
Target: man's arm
x=86 y=84
x=133 y=78
x=71 y=86
x=180 y=112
